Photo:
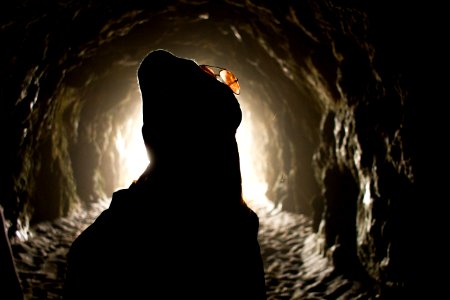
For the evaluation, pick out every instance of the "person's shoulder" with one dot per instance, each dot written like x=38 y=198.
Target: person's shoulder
x=246 y=211
x=91 y=233
x=125 y=202
x=121 y=198
x=245 y=218
x=253 y=218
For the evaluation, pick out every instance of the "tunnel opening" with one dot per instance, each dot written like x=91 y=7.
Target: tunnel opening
x=131 y=148
x=251 y=136
x=123 y=121
x=98 y=93
x=329 y=95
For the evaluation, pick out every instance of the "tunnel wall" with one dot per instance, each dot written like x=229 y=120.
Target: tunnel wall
x=53 y=91
x=336 y=81
x=371 y=154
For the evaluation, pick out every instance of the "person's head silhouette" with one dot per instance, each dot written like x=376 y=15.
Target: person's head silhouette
x=183 y=107
x=190 y=119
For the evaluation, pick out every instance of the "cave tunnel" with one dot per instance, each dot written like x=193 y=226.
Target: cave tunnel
x=330 y=94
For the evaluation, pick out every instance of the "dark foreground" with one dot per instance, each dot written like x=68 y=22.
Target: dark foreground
x=294 y=268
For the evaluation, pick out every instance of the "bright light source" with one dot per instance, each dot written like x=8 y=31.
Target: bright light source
x=134 y=158
x=131 y=148
x=253 y=162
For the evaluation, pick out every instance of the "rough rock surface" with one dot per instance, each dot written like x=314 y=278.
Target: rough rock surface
x=294 y=267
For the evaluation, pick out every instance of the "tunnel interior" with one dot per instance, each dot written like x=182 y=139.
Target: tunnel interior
x=328 y=93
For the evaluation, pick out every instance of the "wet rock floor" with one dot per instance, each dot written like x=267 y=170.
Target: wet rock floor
x=294 y=268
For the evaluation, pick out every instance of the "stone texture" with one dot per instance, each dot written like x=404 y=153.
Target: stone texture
x=344 y=92
x=294 y=266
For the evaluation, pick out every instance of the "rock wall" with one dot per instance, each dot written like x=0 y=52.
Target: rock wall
x=332 y=86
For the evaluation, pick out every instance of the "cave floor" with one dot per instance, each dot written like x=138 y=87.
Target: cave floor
x=294 y=268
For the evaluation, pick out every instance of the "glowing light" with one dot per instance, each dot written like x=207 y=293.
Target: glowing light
x=131 y=149
x=367 y=200
x=254 y=186
x=134 y=159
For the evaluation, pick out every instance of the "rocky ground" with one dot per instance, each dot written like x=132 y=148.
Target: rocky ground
x=294 y=268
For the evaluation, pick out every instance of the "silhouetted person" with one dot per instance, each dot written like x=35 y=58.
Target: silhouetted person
x=182 y=230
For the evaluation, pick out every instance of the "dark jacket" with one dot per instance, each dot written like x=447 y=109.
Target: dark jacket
x=161 y=251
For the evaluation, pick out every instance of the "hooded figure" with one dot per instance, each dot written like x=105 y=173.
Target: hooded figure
x=182 y=230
